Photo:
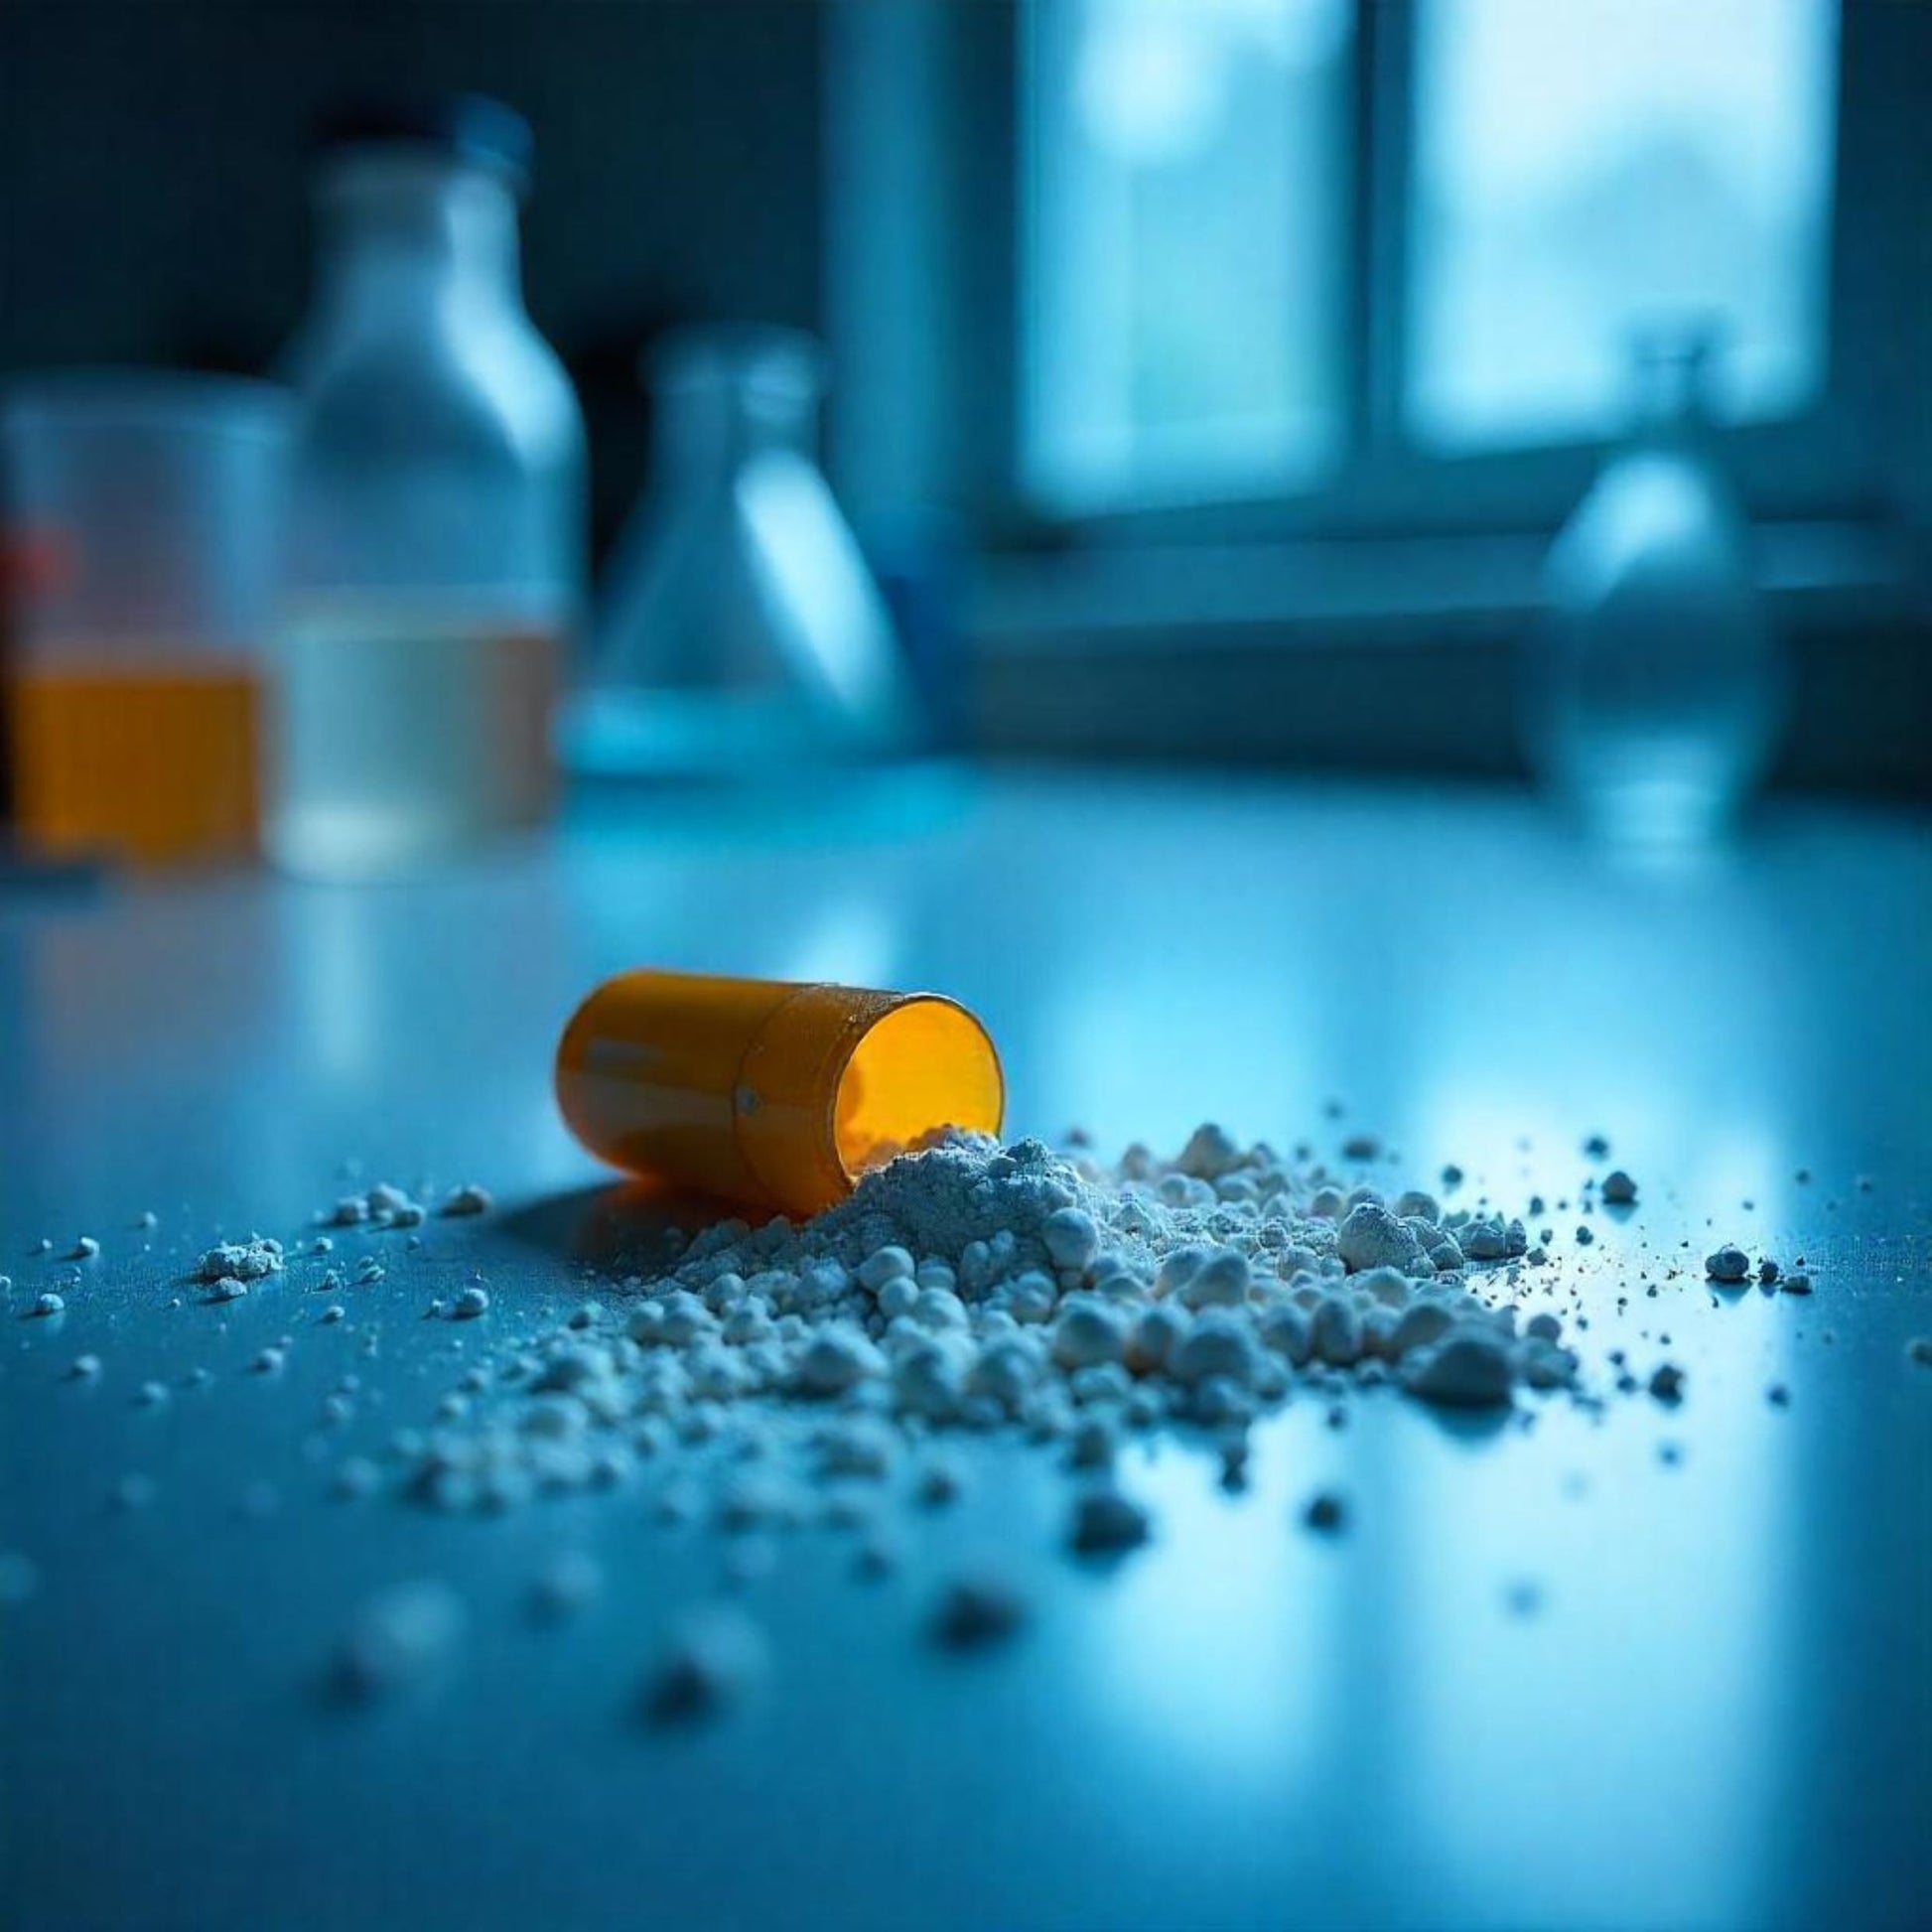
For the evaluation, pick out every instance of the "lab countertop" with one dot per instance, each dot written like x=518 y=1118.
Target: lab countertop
x=1608 y=1664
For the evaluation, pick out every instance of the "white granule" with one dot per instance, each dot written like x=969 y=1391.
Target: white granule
x=467 y=1200
x=397 y=1638
x=565 y=1587
x=976 y=1286
x=48 y=1302
x=471 y=1303
x=713 y=1662
x=86 y=1368
x=1105 y=1522
x=1325 y=1512
x=85 y=1249
x=978 y=1610
x=355 y=1479
x=252 y=1260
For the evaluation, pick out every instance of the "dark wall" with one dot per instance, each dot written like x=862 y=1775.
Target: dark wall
x=153 y=206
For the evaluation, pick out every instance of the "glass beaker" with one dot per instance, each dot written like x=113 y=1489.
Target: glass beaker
x=741 y=632
x=136 y=690
x=1654 y=689
x=436 y=555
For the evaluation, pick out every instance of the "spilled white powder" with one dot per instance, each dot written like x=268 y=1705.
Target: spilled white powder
x=976 y=1287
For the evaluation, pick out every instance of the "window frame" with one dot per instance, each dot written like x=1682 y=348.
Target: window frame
x=948 y=132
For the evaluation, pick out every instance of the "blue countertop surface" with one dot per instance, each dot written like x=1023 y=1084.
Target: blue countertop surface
x=1621 y=1665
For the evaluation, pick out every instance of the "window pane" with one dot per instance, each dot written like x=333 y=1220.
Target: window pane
x=1184 y=279
x=1587 y=168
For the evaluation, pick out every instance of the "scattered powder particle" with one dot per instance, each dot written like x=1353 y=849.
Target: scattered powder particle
x=356 y=1477
x=565 y=1587
x=1779 y=1396
x=86 y=1368
x=1618 y=1189
x=1728 y=1264
x=369 y=1273
x=330 y=1316
x=1325 y=1512
x=877 y=1555
x=1667 y=1383
x=1523 y=1598
x=227 y=1288
x=1585 y=1235
x=977 y=1612
x=1768 y=1272
x=1106 y=1522
x=397 y=1639
x=1468 y=1369
x=1797 y=1283
x=1596 y=1147
x=1919 y=1350
x=85 y=1249
x=152 y=1395
x=48 y=1302
x=147 y=1218
x=940 y=1482
x=471 y=1303
x=711 y=1664
x=269 y=1361
x=252 y=1260
x=467 y=1200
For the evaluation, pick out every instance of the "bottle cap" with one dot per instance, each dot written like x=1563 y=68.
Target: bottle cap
x=473 y=127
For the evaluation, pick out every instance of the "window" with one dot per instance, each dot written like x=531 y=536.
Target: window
x=1186 y=169
x=1227 y=202
x=1585 y=170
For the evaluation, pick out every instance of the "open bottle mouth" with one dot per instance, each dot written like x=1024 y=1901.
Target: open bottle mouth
x=774 y=1094
x=919 y=1068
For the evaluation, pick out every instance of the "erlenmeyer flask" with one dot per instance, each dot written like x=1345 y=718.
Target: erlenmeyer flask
x=1654 y=689
x=740 y=630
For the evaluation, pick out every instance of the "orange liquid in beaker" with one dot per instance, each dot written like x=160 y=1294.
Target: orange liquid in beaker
x=159 y=763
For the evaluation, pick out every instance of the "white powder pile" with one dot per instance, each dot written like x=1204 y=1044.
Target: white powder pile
x=975 y=1287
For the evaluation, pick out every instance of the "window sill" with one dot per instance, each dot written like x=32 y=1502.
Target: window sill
x=1400 y=655
x=1114 y=598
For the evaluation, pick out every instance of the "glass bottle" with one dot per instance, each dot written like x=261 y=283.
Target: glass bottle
x=740 y=630
x=1655 y=687
x=436 y=554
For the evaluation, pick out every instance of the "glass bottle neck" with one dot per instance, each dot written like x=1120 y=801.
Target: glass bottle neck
x=712 y=428
x=1672 y=372
x=399 y=224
